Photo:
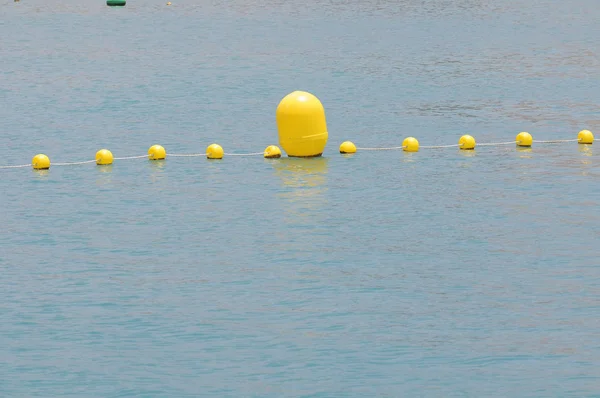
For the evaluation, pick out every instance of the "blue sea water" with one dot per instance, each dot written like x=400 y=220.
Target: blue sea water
x=432 y=274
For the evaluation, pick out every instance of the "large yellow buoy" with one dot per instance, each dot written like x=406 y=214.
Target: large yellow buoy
x=40 y=162
x=585 y=137
x=301 y=125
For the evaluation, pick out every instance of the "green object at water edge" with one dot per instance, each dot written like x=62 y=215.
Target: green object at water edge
x=113 y=3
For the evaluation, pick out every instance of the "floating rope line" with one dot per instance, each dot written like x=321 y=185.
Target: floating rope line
x=440 y=146
x=185 y=155
x=448 y=146
x=215 y=151
x=131 y=157
x=244 y=154
x=498 y=143
x=15 y=167
x=382 y=149
x=74 y=163
x=554 y=141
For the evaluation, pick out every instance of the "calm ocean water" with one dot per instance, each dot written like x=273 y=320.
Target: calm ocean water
x=432 y=274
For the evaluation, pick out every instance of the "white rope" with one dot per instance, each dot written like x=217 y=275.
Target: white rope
x=93 y=161
x=554 y=141
x=497 y=143
x=440 y=146
x=244 y=154
x=130 y=157
x=73 y=163
x=184 y=155
x=381 y=149
x=15 y=167
x=203 y=154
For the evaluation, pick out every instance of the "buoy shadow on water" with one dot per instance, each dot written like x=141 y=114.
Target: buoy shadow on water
x=469 y=153
x=303 y=188
x=42 y=173
x=525 y=152
x=106 y=168
x=158 y=165
x=409 y=157
x=302 y=172
x=586 y=150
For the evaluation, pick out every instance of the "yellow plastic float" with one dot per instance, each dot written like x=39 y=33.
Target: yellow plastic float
x=301 y=125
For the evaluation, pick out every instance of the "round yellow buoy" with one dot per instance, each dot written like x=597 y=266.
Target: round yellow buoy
x=104 y=157
x=524 y=139
x=40 y=162
x=272 y=152
x=410 y=144
x=466 y=142
x=156 y=152
x=168 y=3
x=347 y=147
x=214 y=151
x=585 y=137
x=301 y=125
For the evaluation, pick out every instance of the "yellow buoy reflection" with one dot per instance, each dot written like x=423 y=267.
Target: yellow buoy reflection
x=304 y=185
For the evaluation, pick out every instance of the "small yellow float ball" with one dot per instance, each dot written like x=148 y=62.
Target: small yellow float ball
x=156 y=152
x=104 y=157
x=214 y=151
x=347 y=147
x=272 y=152
x=524 y=139
x=40 y=162
x=168 y=3
x=466 y=142
x=585 y=137
x=410 y=144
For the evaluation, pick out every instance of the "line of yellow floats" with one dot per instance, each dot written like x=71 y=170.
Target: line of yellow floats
x=467 y=142
x=215 y=151
x=302 y=131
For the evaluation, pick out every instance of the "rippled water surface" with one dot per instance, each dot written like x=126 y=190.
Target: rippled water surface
x=437 y=273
